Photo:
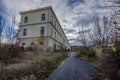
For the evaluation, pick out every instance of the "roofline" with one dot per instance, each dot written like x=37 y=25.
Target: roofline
x=59 y=23
x=35 y=10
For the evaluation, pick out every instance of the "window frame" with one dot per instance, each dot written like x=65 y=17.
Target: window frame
x=26 y=19
x=23 y=43
x=42 y=30
x=32 y=43
x=41 y=43
x=43 y=17
x=51 y=31
x=24 y=32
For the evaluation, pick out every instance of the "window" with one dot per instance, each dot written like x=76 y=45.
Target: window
x=41 y=43
x=55 y=23
x=26 y=19
x=55 y=34
x=23 y=44
x=24 y=32
x=52 y=19
x=43 y=16
x=32 y=43
x=42 y=30
x=51 y=32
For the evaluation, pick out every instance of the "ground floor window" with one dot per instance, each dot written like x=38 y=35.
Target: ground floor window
x=32 y=43
x=41 y=43
x=23 y=44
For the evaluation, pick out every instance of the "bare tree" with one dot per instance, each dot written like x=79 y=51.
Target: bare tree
x=97 y=30
x=11 y=32
x=2 y=25
x=82 y=37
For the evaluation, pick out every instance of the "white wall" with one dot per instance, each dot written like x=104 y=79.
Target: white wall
x=34 y=17
x=32 y=30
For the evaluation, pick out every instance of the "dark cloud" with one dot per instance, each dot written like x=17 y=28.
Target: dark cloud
x=72 y=2
x=84 y=31
x=69 y=31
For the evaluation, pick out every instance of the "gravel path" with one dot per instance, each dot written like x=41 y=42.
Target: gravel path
x=72 y=69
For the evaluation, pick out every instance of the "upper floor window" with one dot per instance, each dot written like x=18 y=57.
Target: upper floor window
x=51 y=32
x=55 y=34
x=24 y=32
x=42 y=30
x=43 y=16
x=52 y=19
x=32 y=43
x=26 y=19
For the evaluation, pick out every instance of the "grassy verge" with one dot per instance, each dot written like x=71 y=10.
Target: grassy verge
x=33 y=66
x=93 y=63
x=88 y=55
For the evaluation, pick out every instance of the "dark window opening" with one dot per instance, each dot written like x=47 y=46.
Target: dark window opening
x=23 y=44
x=41 y=43
x=32 y=43
x=43 y=16
x=52 y=19
x=51 y=32
x=42 y=30
x=25 y=19
x=24 y=32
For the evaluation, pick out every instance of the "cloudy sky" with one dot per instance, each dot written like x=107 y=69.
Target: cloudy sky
x=71 y=13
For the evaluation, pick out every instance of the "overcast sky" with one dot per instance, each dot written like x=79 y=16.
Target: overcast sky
x=70 y=13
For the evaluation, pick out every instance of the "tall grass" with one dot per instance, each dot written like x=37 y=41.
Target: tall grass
x=32 y=64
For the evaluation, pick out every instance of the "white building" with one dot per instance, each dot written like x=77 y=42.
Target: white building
x=41 y=27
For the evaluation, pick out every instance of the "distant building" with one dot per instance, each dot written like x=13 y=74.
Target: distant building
x=41 y=27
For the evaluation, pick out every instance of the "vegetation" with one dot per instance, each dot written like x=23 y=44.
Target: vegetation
x=37 y=66
x=89 y=55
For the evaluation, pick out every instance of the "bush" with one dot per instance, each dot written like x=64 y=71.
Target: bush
x=9 y=52
x=110 y=65
x=29 y=49
x=91 y=53
x=40 y=68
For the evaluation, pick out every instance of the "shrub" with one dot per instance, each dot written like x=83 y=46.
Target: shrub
x=91 y=53
x=29 y=49
x=110 y=65
x=10 y=52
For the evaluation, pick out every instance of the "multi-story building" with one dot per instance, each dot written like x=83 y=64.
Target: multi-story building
x=41 y=27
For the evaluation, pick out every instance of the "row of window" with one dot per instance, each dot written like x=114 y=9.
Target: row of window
x=55 y=35
x=32 y=43
x=42 y=31
x=42 y=18
x=57 y=27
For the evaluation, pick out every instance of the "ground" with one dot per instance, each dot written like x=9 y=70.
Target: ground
x=72 y=69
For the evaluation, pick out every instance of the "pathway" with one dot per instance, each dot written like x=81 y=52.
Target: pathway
x=72 y=69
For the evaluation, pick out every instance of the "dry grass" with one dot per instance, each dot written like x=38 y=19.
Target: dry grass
x=32 y=58
x=41 y=64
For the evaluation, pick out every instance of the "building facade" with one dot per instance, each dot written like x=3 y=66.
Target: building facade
x=40 y=27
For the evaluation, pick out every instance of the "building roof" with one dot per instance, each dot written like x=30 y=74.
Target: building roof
x=35 y=10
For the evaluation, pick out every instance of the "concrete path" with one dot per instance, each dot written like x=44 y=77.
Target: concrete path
x=72 y=69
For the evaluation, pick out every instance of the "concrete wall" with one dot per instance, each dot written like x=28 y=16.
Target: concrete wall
x=34 y=17
x=32 y=30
